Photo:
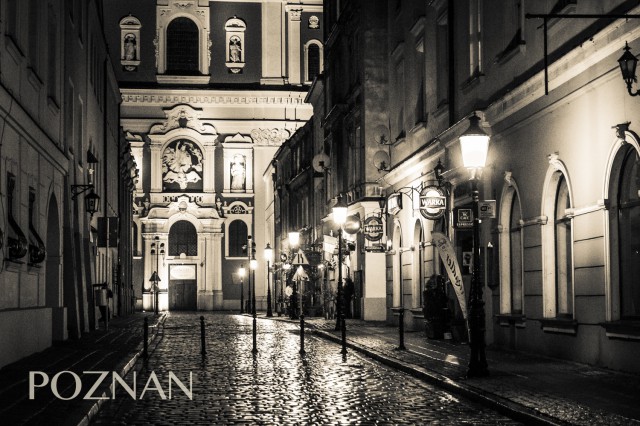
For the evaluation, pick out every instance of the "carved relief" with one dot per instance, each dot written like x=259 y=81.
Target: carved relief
x=269 y=136
x=182 y=165
x=314 y=22
x=185 y=117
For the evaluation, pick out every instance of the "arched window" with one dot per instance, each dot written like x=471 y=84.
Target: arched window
x=183 y=238
x=515 y=255
x=510 y=248
x=563 y=251
x=312 y=59
x=628 y=213
x=237 y=237
x=182 y=47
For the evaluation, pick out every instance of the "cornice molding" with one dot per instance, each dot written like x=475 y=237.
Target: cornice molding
x=161 y=97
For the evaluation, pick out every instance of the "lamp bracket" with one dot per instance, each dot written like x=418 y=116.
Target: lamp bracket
x=545 y=19
x=79 y=189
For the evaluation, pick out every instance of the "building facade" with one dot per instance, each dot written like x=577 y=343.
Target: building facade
x=401 y=81
x=210 y=90
x=60 y=142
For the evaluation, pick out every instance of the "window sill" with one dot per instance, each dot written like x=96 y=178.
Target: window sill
x=624 y=329
x=417 y=313
x=183 y=79
x=441 y=109
x=14 y=50
x=506 y=55
x=559 y=325
x=13 y=265
x=473 y=81
x=53 y=105
x=507 y=320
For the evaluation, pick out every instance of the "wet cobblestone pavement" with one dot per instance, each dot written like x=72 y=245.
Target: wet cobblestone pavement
x=277 y=386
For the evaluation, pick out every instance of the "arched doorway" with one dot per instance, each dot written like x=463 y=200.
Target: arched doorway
x=183 y=284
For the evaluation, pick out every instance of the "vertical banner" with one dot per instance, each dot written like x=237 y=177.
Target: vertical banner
x=448 y=256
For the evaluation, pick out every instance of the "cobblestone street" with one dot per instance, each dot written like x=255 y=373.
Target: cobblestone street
x=278 y=386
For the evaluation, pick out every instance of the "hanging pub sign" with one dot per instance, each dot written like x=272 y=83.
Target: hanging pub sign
x=394 y=203
x=433 y=202
x=373 y=228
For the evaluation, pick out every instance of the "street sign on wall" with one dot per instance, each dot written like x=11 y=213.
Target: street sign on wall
x=463 y=218
x=487 y=209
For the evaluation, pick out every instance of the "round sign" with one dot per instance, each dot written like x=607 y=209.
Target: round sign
x=433 y=202
x=351 y=225
x=373 y=228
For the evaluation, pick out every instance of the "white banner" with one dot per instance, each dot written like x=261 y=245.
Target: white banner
x=448 y=256
x=182 y=272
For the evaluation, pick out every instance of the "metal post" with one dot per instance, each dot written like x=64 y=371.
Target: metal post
x=269 y=310
x=253 y=307
x=155 y=282
x=242 y=295
x=203 y=350
x=249 y=311
x=478 y=361
x=401 y=314
x=302 y=351
x=145 y=338
x=343 y=325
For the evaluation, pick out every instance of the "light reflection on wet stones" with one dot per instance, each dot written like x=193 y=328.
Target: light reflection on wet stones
x=277 y=386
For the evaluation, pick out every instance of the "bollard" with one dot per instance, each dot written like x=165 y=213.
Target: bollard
x=302 y=352
x=203 y=351
x=401 y=330
x=145 y=334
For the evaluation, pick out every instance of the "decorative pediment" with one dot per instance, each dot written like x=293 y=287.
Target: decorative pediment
x=238 y=138
x=183 y=116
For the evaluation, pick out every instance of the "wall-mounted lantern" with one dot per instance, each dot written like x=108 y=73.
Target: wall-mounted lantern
x=91 y=200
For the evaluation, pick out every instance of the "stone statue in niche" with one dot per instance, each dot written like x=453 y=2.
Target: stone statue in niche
x=182 y=164
x=238 y=173
x=130 y=47
x=235 y=49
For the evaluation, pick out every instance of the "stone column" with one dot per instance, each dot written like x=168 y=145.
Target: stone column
x=156 y=167
x=293 y=41
x=272 y=42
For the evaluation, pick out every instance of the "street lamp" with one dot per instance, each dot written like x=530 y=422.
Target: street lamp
x=157 y=250
x=253 y=264
x=268 y=255
x=628 y=63
x=241 y=272
x=339 y=218
x=474 y=143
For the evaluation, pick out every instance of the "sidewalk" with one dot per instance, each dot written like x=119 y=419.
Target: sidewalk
x=534 y=390
x=114 y=350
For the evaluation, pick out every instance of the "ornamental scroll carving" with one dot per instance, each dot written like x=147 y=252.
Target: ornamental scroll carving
x=269 y=136
x=185 y=117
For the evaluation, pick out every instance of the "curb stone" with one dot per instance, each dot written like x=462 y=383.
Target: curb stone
x=504 y=406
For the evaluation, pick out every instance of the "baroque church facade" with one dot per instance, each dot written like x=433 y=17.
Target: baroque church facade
x=210 y=90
